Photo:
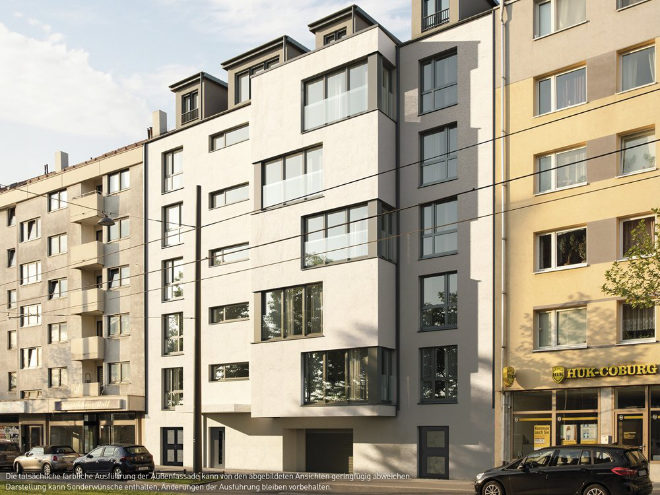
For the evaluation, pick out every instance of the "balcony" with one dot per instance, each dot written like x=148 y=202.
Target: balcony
x=92 y=389
x=88 y=256
x=189 y=116
x=87 y=348
x=436 y=19
x=291 y=189
x=86 y=209
x=87 y=301
x=336 y=107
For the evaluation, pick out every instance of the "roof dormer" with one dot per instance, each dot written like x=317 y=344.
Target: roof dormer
x=197 y=97
x=343 y=23
x=433 y=15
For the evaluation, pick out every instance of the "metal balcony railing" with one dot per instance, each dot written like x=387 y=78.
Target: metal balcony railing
x=436 y=19
x=189 y=116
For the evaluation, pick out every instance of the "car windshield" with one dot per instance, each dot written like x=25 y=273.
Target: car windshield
x=137 y=450
x=6 y=447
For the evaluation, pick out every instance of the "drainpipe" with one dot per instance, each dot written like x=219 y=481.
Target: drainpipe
x=145 y=269
x=197 y=350
x=397 y=269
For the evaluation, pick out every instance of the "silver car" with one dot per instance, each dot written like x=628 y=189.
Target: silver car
x=46 y=459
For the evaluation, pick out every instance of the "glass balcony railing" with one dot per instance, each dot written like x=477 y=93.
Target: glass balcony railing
x=337 y=248
x=336 y=108
x=293 y=188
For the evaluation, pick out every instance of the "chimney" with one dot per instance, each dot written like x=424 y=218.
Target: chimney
x=61 y=161
x=159 y=123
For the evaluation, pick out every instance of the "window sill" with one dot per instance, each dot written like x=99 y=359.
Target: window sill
x=163 y=246
x=228 y=146
x=352 y=403
x=311 y=197
x=115 y=193
x=334 y=263
x=172 y=299
x=560 y=348
x=29 y=240
x=437 y=329
x=421 y=114
x=117 y=337
x=230 y=380
x=560 y=30
x=55 y=211
x=437 y=255
x=228 y=321
x=561 y=109
x=562 y=268
x=573 y=186
x=59 y=342
x=172 y=190
x=631 y=6
x=173 y=354
x=636 y=172
x=229 y=262
x=54 y=255
x=624 y=91
x=637 y=341
x=435 y=183
x=294 y=337
x=436 y=402
x=229 y=204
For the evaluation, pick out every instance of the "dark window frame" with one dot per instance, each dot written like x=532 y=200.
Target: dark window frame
x=214 y=368
x=283 y=335
x=433 y=380
x=447 y=297
x=223 y=309
x=451 y=52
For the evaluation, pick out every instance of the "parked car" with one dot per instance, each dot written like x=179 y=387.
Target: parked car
x=47 y=459
x=118 y=460
x=574 y=470
x=8 y=452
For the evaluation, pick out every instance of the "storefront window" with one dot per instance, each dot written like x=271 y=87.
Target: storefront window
x=67 y=435
x=580 y=428
x=577 y=399
x=631 y=398
x=532 y=401
x=532 y=422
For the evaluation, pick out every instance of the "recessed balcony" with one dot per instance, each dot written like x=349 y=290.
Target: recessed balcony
x=87 y=348
x=88 y=256
x=87 y=301
x=92 y=389
x=86 y=209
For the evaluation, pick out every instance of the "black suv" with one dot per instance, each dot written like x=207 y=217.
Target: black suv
x=579 y=469
x=117 y=460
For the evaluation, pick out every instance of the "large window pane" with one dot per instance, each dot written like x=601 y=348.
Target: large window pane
x=638 y=68
x=638 y=153
x=572 y=327
x=572 y=247
x=637 y=323
x=571 y=168
x=544 y=96
x=569 y=13
x=439 y=302
x=439 y=374
x=571 y=88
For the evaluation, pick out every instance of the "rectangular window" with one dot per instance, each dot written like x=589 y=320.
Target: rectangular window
x=243 y=85
x=31 y=230
x=172 y=387
x=439 y=228
x=561 y=91
x=119 y=372
x=561 y=327
x=336 y=96
x=334 y=36
x=172 y=277
x=11 y=257
x=292 y=312
x=555 y=15
x=57 y=332
x=57 y=288
x=30 y=315
x=563 y=248
x=119 y=277
x=338 y=235
x=30 y=273
x=439 y=374
x=228 y=372
x=31 y=394
x=172 y=446
x=387 y=233
x=637 y=323
x=638 y=152
x=11 y=381
x=11 y=339
x=58 y=244
x=232 y=136
x=11 y=216
x=57 y=377
x=439 y=82
x=229 y=254
x=119 y=181
x=620 y=4
x=172 y=232
x=434 y=13
x=229 y=313
x=228 y=196
x=189 y=110
x=11 y=298
x=173 y=333
x=635 y=234
x=172 y=170
x=119 y=325
x=57 y=200
x=30 y=358
x=439 y=157
x=292 y=177
x=439 y=309
x=387 y=91
x=120 y=230
x=637 y=68
x=561 y=170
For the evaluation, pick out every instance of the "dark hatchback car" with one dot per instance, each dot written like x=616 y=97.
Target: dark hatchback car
x=576 y=470
x=8 y=452
x=117 y=460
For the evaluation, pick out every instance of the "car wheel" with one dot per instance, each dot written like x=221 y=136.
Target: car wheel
x=78 y=471
x=46 y=469
x=492 y=488
x=117 y=473
x=595 y=490
x=18 y=468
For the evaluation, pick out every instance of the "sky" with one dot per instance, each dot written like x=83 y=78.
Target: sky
x=83 y=76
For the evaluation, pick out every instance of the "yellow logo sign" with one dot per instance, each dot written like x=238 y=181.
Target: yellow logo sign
x=558 y=374
x=508 y=376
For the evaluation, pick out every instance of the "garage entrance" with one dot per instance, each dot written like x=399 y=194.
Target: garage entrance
x=329 y=451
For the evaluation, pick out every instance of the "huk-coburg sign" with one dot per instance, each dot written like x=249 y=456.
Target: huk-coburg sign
x=559 y=373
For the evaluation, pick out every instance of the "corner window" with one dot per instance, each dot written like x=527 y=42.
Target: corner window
x=229 y=313
x=638 y=152
x=119 y=372
x=172 y=277
x=439 y=228
x=30 y=315
x=439 y=309
x=334 y=36
x=57 y=244
x=561 y=91
x=634 y=234
x=439 y=157
x=57 y=332
x=119 y=181
x=11 y=257
x=243 y=86
x=229 y=254
x=11 y=339
x=30 y=358
x=57 y=288
x=335 y=96
x=637 y=323
x=439 y=84
x=561 y=327
x=119 y=325
x=292 y=177
x=229 y=372
x=57 y=377
x=387 y=91
x=439 y=374
x=172 y=387
x=227 y=138
x=339 y=235
x=555 y=15
x=229 y=196
x=11 y=216
x=561 y=170
x=292 y=312
x=11 y=382
x=637 y=68
x=30 y=273
x=172 y=231
x=31 y=230
x=11 y=298
x=120 y=230
x=173 y=333
x=562 y=248
x=172 y=170
x=57 y=200
x=189 y=110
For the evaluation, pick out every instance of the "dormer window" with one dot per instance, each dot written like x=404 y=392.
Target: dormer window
x=434 y=13
x=189 y=109
x=334 y=36
x=243 y=79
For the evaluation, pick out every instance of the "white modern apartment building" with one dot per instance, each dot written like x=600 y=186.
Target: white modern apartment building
x=319 y=288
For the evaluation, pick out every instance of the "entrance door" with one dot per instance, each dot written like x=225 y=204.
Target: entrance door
x=630 y=428
x=32 y=436
x=329 y=451
x=434 y=452
x=217 y=454
x=172 y=446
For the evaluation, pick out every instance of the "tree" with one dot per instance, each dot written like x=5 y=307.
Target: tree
x=637 y=278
